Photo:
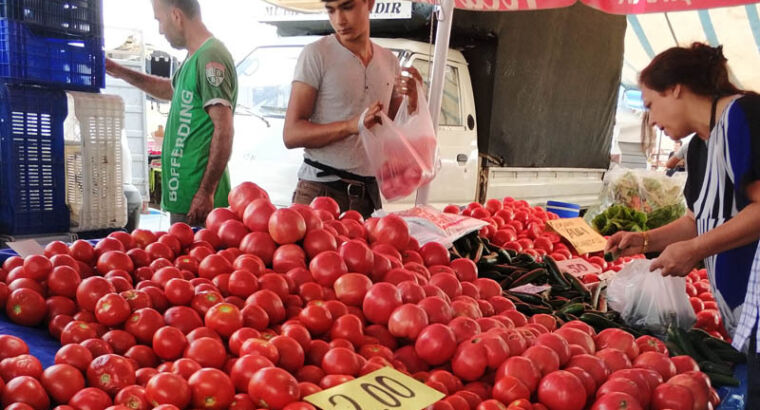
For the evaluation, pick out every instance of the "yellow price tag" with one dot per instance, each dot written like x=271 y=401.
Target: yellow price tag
x=382 y=389
x=583 y=238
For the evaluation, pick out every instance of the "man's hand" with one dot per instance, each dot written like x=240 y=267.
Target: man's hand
x=371 y=118
x=202 y=204
x=406 y=85
x=677 y=259
x=113 y=68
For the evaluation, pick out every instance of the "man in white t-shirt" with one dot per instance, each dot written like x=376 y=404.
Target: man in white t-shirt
x=338 y=78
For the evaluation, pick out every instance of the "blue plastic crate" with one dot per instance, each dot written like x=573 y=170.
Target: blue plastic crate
x=32 y=181
x=28 y=56
x=75 y=17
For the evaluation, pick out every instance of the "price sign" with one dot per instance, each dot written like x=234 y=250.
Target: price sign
x=386 y=388
x=531 y=288
x=583 y=238
x=578 y=267
x=26 y=248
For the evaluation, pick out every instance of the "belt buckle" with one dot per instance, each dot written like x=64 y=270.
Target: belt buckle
x=361 y=190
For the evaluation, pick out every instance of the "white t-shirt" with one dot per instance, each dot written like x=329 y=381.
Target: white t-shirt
x=345 y=88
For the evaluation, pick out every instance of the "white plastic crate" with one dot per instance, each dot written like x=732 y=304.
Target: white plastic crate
x=94 y=179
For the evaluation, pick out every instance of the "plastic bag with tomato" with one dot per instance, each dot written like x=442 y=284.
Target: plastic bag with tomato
x=403 y=152
x=648 y=300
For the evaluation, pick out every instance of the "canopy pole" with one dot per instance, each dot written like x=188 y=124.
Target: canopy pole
x=444 y=15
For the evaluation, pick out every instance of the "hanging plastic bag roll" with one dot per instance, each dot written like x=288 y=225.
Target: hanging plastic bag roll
x=403 y=153
x=648 y=300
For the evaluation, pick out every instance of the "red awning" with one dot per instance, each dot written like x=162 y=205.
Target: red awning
x=608 y=6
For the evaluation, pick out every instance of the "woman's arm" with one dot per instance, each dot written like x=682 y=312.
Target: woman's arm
x=632 y=243
x=679 y=258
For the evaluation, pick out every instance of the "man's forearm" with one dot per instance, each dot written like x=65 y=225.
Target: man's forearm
x=306 y=134
x=219 y=155
x=741 y=230
x=157 y=87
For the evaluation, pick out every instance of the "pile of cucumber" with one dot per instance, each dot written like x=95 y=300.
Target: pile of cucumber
x=567 y=298
x=715 y=357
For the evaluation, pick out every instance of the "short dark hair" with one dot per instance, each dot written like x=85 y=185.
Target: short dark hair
x=191 y=8
x=700 y=67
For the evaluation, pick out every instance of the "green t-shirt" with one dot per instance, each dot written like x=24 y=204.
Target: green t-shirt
x=206 y=78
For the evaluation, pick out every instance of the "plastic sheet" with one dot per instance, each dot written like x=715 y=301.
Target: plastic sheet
x=41 y=344
x=733 y=398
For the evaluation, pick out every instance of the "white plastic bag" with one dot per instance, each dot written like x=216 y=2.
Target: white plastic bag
x=403 y=153
x=648 y=300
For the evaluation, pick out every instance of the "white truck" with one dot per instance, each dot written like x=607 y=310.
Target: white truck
x=466 y=175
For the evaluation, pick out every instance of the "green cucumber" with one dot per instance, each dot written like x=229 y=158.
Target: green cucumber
x=529 y=277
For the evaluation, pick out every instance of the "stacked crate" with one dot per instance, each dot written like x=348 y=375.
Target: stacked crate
x=49 y=48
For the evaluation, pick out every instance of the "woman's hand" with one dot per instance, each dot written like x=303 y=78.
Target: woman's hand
x=625 y=244
x=677 y=259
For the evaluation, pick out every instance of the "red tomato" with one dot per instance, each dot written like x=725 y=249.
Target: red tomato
x=169 y=343
x=407 y=321
x=658 y=362
x=562 y=390
x=684 y=364
x=352 y=287
x=435 y=344
x=672 y=396
x=593 y=365
x=110 y=373
x=508 y=389
x=224 y=318
x=211 y=389
x=614 y=359
x=578 y=337
x=90 y=398
x=287 y=226
x=392 y=230
x=28 y=390
x=651 y=344
x=545 y=358
x=119 y=340
x=326 y=204
x=183 y=318
x=357 y=256
x=616 y=401
x=243 y=194
x=521 y=368
x=245 y=367
x=112 y=309
x=91 y=290
x=168 y=388
x=132 y=397
x=273 y=388
x=619 y=384
x=433 y=253
x=271 y=303
x=380 y=301
x=62 y=381
x=207 y=351
x=341 y=360
x=708 y=319
x=143 y=323
x=291 y=353
x=698 y=386
x=26 y=307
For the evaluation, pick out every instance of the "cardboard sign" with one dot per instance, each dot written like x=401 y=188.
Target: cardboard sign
x=386 y=388
x=583 y=238
x=578 y=267
x=26 y=248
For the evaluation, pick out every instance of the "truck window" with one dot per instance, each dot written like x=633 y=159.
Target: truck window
x=451 y=112
x=264 y=79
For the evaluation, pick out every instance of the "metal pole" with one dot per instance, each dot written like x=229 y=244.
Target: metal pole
x=445 y=14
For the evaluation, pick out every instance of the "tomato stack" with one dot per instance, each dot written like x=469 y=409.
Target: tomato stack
x=267 y=306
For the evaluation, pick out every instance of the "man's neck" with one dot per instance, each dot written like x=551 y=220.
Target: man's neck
x=360 y=47
x=197 y=34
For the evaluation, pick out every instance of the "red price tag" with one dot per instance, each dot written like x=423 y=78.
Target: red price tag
x=578 y=267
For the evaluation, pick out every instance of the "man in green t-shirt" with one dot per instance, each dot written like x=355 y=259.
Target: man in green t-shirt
x=199 y=129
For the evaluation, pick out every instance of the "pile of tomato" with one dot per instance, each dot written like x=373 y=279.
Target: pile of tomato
x=266 y=306
x=704 y=305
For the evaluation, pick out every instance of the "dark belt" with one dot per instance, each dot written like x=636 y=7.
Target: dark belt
x=354 y=185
